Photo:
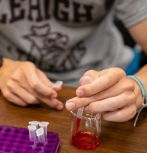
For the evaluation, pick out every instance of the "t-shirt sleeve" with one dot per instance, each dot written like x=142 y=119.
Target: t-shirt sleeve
x=130 y=12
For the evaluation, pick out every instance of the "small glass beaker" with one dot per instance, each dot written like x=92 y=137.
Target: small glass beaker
x=85 y=130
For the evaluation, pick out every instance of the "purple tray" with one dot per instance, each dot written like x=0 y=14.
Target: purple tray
x=16 y=140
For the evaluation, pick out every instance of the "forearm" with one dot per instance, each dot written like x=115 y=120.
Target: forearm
x=139 y=33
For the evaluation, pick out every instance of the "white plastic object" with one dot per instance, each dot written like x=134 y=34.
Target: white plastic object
x=32 y=132
x=80 y=112
x=41 y=135
x=44 y=125
x=35 y=123
x=57 y=84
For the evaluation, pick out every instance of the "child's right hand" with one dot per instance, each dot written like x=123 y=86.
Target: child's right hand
x=22 y=83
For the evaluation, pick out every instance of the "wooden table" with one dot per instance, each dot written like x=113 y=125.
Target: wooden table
x=115 y=137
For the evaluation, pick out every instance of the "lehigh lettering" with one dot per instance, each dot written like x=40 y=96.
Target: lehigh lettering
x=61 y=11
x=82 y=12
x=3 y=18
x=36 y=9
x=39 y=10
x=17 y=12
x=46 y=9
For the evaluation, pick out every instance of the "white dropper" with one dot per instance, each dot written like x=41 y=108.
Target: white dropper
x=80 y=112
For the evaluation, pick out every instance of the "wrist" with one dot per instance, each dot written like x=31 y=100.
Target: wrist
x=144 y=96
x=3 y=62
x=141 y=87
x=4 y=70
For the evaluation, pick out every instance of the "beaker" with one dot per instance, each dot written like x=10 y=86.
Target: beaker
x=85 y=130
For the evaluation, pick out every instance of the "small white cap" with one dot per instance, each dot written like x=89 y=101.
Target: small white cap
x=43 y=124
x=35 y=123
x=31 y=127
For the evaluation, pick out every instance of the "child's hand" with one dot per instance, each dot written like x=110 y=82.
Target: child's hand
x=109 y=92
x=23 y=83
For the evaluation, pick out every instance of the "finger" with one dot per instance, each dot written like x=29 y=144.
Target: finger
x=94 y=105
x=59 y=105
x=121 y=115
x=21 y=92
x=105 y=80
x=39 y=97
x=36 y=84
x=57 y=85
x=88 y=77
x=53 y=103
x=75 y=103
x=43 y=77
x=13 y=98
x=111 y=104
x=45 y=80
x=122 y=86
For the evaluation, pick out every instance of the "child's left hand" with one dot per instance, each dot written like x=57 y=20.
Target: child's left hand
x=109 y=92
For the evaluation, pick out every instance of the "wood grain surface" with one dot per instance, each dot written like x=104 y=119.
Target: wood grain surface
x=115 y=137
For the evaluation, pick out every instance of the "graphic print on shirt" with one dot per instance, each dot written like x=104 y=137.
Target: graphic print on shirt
x=49 y=50
x=71 y=11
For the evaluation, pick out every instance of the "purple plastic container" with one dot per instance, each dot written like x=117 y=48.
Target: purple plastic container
x=16 y=140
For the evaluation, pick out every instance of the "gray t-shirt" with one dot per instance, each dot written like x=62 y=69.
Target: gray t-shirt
x=66 y=38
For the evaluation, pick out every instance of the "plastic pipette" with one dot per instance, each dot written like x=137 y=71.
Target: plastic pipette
x=80 y=112
x=57 y=84
x=78 y=118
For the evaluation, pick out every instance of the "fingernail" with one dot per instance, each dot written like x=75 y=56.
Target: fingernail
x=86 y=79
x=60 y=107
x=79 y=93
x=70 y=105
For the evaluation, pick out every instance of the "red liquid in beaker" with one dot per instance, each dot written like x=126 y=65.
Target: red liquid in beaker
x=85 y=140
